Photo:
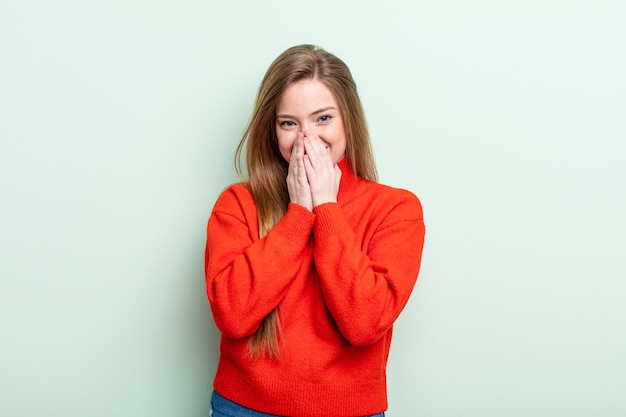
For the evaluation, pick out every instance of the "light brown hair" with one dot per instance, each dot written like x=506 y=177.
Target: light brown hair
x=266 y=167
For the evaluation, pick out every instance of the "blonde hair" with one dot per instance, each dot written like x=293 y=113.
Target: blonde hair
x=266 y=167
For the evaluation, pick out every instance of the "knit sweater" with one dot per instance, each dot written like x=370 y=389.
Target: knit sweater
x=340 y=276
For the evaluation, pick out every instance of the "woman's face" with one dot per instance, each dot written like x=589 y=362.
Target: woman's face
x=309 y=107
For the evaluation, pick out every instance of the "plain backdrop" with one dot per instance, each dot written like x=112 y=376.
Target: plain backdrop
x=118 y=124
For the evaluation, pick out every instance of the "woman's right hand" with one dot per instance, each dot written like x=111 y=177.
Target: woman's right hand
x=297 y=181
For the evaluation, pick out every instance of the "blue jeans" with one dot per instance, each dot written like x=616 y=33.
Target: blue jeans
x=221 y=407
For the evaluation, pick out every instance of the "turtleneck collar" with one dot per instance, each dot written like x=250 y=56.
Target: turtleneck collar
x=349 y=181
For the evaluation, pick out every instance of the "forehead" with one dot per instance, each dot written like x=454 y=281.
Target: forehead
x=306 y=95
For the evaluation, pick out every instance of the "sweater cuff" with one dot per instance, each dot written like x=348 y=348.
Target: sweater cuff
x=329 y=221
x=296 y=224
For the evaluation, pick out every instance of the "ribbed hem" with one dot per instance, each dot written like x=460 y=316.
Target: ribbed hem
x=296 y=225
x=329 y=221
x=300 y=399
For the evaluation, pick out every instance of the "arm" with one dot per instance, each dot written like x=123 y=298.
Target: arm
x=365 y=292
x=247 y=277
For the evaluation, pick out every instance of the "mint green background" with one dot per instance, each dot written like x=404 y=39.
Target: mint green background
x=118 y=122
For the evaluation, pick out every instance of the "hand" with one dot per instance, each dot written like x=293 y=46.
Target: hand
x=323 y=175
x=297 y=182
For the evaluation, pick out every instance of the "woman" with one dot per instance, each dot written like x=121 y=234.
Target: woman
x=310 y=261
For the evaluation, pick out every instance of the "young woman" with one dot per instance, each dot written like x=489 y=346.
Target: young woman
x=310 y=261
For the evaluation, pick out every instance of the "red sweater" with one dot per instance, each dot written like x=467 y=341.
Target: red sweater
x=340 y=274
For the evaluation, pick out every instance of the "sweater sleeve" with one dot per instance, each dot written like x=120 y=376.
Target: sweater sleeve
x=247 y=277
x=366 y=288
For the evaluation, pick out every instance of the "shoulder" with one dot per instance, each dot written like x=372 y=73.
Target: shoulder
x=398 y=202
x=235 y=197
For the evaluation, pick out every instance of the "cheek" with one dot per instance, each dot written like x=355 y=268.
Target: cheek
x=285 y=144
x=338 y=146
x=338 y=153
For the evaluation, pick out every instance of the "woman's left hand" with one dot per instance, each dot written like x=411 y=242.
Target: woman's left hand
x=323 y=175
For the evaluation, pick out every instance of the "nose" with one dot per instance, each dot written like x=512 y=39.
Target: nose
x=307 y=128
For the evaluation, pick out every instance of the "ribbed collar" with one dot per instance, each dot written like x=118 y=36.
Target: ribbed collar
x=349 y=181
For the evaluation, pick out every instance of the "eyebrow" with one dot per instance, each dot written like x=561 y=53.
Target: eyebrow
x=322 y=110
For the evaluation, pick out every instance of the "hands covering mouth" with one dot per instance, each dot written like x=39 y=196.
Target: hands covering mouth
x=313 y=178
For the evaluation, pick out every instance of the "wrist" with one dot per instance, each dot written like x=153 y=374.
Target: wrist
x=319 y=202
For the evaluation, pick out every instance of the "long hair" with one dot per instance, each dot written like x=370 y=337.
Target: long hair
x=266 y=167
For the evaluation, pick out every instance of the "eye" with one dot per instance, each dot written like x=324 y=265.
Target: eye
x=287 y=123
x=325 y=118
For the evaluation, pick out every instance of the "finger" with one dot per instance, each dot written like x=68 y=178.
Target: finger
x=319 y=146
x=296 y=165
x=297 y=151
x=301 y=166
x=315 y=149
x=308 y=168
x=308 y=147
x=318 y=142
x=303 y=158
x=319 y=156
x=294 y=154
